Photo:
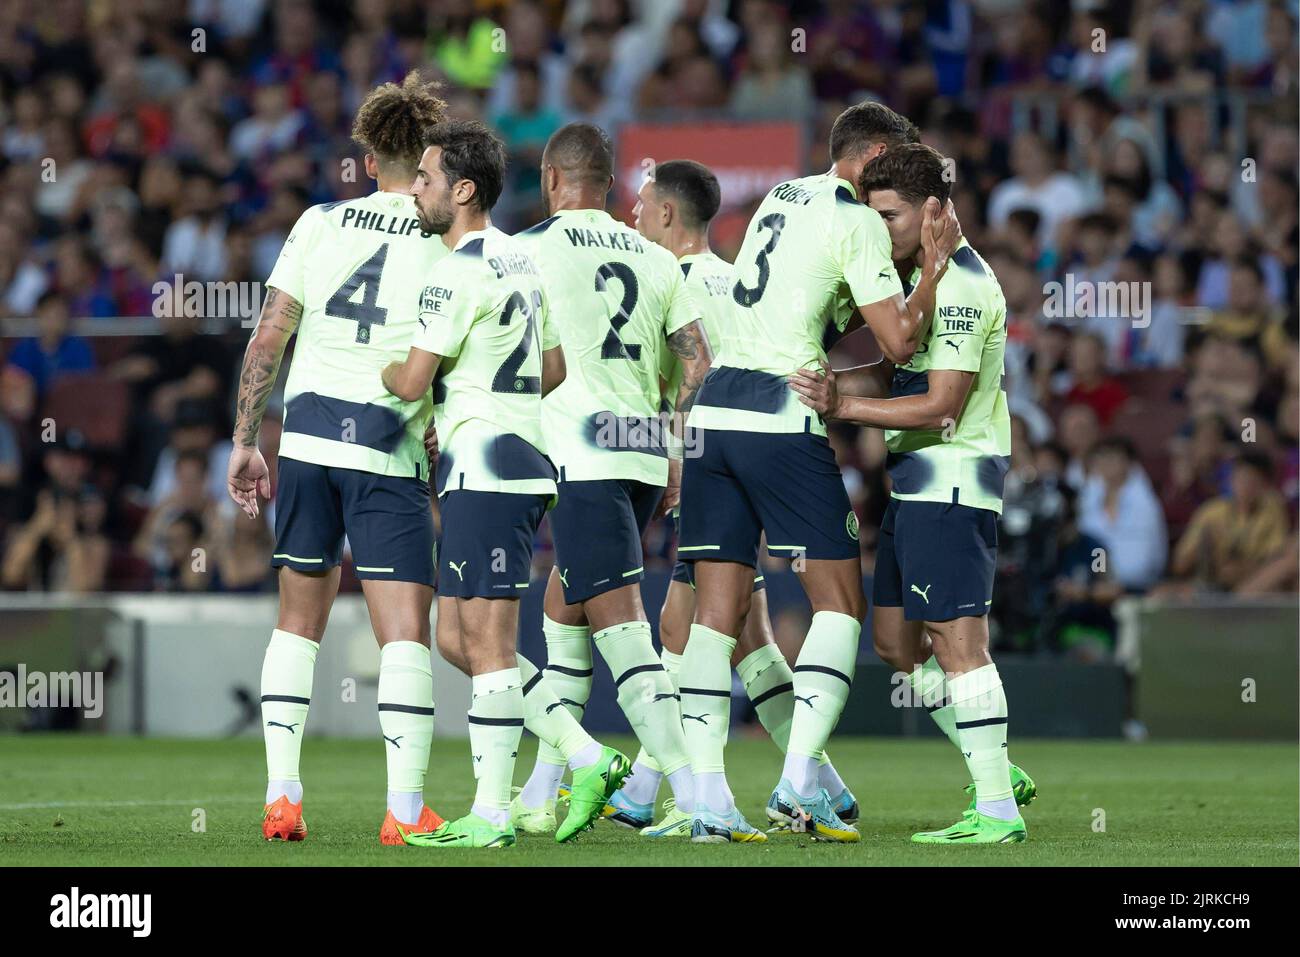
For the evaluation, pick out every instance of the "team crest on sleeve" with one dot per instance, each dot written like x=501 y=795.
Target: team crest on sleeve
x=851 y=524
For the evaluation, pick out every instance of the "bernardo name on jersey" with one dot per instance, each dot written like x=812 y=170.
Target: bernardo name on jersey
x=810 y=248
x=354 y=266
x=968 y=333
x=484 y=312
x=616 y=297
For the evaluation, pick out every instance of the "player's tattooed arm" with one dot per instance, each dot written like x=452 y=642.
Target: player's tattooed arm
x=410 y=380
x=690 y=344
x=277 y=323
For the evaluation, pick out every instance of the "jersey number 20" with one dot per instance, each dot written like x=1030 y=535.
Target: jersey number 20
x=508 y=378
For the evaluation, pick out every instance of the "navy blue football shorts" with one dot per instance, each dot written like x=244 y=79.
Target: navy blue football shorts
x=485 y=549
x=936 y=560
x=744 y=484
x=684 y=572
x=386 y=518
x=597 y=526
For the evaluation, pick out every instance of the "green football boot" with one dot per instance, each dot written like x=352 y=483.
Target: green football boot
x=468 y=831
x=531 y=820
x=975 y=828
x=675 y=823
x=592 y=788
x=1023 y=788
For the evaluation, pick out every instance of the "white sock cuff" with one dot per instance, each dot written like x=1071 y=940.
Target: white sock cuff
x=405 y=654
x=974 y=684
x=836 y=619
x=294 y=644
x=495 y=682
x=625 y=628
x=556 y=632
x=705 y=633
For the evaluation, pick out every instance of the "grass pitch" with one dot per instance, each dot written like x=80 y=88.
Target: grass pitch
x=78 y=801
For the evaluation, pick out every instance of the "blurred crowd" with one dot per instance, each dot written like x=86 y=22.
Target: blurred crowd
x=1093 y=142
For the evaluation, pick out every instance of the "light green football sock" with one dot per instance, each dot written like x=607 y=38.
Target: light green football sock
x=672 y=666
x=496 y=723
x=287 y=670
x=546 y=718
x=931 y=686
x=406 y=721
x=823 y=675
x=645 y=693
x=705 y=683
x=980 y=707
x=568 y=672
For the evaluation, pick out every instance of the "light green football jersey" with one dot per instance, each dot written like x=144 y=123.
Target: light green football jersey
x=357 y=267
x=966 y=463
x=708 y=280
x=484 y=312
x=615 y=297
x=811 y=250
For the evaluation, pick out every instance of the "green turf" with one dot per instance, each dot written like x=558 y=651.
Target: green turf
x=93 y=801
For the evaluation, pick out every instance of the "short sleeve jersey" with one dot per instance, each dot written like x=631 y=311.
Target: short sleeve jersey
x=615 y=298
x=357 y=268
x=810 y=250
x=964 y=464
x=708 y=281
x=484 y=313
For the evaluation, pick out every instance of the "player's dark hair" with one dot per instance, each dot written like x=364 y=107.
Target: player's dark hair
x=861 y=126
x=472 y=151
x=583 y=151
x=913 y=171
x=694 y=187
x=393 y=122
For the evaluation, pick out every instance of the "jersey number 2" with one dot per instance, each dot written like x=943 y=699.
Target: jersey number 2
x=748 y=295
x=614 y=347
x=367 y=312
x=508 y=378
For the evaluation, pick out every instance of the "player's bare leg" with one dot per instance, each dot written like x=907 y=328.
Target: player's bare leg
x=399 y=615
x=287 y=670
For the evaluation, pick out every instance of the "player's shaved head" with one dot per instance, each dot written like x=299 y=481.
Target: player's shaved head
x=869 y=124
x=393 y=124
x=692 y=186
x=582 y=153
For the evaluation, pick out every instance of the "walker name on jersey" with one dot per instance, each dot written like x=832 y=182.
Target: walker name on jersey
x=590 y=238
x=510 y=264
x=379 y=222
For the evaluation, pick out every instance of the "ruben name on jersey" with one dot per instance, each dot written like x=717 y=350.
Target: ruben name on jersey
x=357 y=267
x=810 y=250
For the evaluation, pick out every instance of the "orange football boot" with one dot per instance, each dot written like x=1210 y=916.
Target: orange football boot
x=390 y=834
x=283 y=821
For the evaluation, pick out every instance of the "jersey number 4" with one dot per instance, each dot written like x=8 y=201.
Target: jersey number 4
x=748 y=295
x=508 y=378
x=367 y=312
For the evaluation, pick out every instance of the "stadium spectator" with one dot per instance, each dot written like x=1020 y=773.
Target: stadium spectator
x=54 y=351
x=1090 y=383
x=1053 y=194
x=1118 y=507
x=772 y=86
x=1232 y=537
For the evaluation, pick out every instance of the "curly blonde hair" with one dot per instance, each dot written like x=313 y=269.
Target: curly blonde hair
x=394 y=121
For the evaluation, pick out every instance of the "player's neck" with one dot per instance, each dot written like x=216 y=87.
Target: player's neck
x=847 y=170
x=465 y=223
x=688 y=243
x=577 y=198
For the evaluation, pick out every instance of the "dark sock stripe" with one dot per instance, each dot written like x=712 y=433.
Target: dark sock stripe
x=706 y=691
x=290 y=699
x=575 y=672
x=500 y=722
x=932 y=708
x=639 y=669
x=823 y=670
x=771 y=693
x=982 y=723
x=406 y=708
x=532 y=682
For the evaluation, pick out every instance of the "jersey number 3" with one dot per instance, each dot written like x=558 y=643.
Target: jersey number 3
x=367 y=312
x=748 y=295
